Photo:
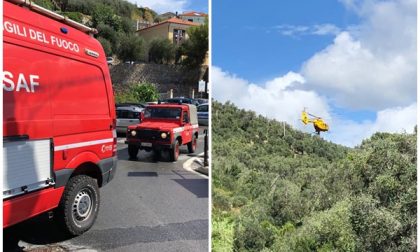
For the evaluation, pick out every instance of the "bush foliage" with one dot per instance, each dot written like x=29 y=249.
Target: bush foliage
x=138 y=93
x=116 y=20
x=196 y=47
x=161 y=51
x=297 y=192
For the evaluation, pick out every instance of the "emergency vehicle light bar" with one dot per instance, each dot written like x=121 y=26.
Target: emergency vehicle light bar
x=31 y=5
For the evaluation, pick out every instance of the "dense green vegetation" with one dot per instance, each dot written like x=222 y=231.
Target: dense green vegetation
x=296 y=192
x=161 y=51
x=196 y=47
x=138 y=93
x=116 y=20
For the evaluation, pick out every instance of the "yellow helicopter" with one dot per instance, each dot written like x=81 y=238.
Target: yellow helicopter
x=317 y=121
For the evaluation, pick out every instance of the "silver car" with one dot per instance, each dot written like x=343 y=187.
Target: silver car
x=127 y=116
x=203 y=114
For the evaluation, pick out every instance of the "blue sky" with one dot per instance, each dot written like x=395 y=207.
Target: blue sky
x=254 y=23
x=162 y=6
x=198 y=5
x=352 y=62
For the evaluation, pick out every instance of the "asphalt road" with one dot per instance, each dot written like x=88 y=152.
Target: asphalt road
x=150 y=205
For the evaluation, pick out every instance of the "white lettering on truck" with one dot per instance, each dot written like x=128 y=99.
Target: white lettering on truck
x=42 y=37
x=16 y=29
x=37 y=35
x=59 y=42
x=21 y=83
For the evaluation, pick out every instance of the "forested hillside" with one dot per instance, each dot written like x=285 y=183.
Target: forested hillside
x=296 y=192
x=114 y=19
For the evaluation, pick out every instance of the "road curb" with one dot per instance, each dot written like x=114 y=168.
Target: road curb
x=196 y=164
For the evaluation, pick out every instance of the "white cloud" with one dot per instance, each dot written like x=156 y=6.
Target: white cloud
x=162 y=6
x=283 y=99
x=301 y=30
x=325 y=29
x=275 y=99
x=392 y=120
x=373 y=66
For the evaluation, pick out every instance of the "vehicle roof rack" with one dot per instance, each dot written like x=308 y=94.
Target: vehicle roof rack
x=32 y=6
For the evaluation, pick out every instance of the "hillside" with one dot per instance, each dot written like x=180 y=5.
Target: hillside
x=296 y=192
x=115 y=21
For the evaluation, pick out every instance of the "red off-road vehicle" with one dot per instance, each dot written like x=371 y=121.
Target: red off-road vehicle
x=164 y=127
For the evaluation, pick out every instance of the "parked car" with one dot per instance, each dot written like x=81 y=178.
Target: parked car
x=126 y=116
x=201 y=100
x=181 y=100
x=203 y=114
x=164 y=127
x=127 y=104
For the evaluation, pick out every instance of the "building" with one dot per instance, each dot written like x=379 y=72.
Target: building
x=193 y=16
x=174 y=29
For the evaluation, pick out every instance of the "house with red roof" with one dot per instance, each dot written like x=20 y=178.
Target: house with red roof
x=194 y=16
x=174 y=29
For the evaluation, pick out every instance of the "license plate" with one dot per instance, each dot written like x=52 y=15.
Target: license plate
x=146 y=144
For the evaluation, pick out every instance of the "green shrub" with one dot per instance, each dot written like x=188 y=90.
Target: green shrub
x=138 y=93
x=221 y=200
x=161 y=51
x=106 y=45
x=239 y=201
x=131 y=48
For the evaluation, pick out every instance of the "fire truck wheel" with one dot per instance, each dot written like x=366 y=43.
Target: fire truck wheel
x=174 y=152
x=133 y=151
x=192 y=145
x=79 y=204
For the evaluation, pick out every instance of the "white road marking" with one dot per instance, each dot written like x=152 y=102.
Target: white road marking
x=187 y=165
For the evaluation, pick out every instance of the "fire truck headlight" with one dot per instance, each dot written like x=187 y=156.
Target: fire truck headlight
x=133 y=133
x=163 y=135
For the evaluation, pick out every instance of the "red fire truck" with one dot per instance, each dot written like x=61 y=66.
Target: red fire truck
x=164 y=127
x=59 y=138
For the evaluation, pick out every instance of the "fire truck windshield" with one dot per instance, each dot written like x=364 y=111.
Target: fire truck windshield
x=164 y=113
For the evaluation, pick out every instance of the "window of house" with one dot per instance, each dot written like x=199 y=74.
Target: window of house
x=179 y=36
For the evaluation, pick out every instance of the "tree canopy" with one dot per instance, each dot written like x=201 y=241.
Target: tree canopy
x=131 y=48
x=116 y=20
x=296 y=192
x=197 y=46
x=161 y=51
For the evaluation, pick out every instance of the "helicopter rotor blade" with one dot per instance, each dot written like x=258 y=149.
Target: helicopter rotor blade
x=313 y=115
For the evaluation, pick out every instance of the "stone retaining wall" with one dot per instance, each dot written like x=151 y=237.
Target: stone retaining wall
x=165 y=77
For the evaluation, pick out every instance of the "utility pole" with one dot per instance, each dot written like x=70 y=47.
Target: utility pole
x=284 y=129
x=206 y=148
